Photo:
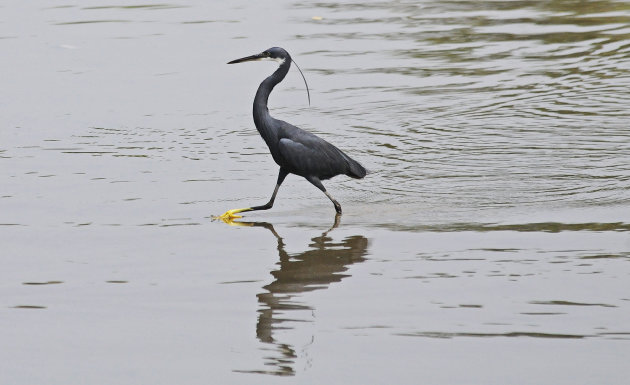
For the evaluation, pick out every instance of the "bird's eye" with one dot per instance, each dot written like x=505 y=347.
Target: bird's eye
x=266 y=53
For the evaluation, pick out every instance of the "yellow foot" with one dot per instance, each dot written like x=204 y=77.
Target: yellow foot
x=229 y=215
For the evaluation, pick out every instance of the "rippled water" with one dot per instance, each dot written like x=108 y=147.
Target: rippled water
x=478 y=106
x=489 y=243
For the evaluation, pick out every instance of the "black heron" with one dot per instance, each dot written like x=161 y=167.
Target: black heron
x=293 y=149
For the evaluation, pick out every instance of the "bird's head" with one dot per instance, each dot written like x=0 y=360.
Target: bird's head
x=279 y=55
x=275 y=53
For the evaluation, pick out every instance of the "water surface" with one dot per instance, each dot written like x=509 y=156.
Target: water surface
x=489 y=244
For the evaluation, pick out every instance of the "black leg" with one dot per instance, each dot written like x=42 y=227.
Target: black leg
x=229 y=215
x=281 y=175
x=318 y=183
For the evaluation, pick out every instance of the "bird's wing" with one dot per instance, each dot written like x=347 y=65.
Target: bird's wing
x=310 y=155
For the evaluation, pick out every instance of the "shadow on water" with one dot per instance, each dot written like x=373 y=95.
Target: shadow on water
x=323 y=263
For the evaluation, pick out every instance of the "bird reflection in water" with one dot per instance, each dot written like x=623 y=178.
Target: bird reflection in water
x=316 y=268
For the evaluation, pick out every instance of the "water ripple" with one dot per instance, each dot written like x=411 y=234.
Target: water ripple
x=504 y=104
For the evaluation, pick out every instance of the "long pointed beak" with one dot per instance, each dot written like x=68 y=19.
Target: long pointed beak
x=258 y=56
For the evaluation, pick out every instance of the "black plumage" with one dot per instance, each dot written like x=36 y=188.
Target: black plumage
x=296 y=151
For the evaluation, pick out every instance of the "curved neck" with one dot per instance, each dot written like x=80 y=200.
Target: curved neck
x=265 y=88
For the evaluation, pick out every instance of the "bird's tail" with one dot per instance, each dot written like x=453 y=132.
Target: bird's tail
x=355 y=169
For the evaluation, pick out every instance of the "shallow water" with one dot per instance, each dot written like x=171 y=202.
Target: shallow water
x=489 y=244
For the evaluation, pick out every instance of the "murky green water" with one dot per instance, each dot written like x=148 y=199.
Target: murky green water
x=490 y=244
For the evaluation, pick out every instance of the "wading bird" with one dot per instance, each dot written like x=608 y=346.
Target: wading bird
x=293 y=149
